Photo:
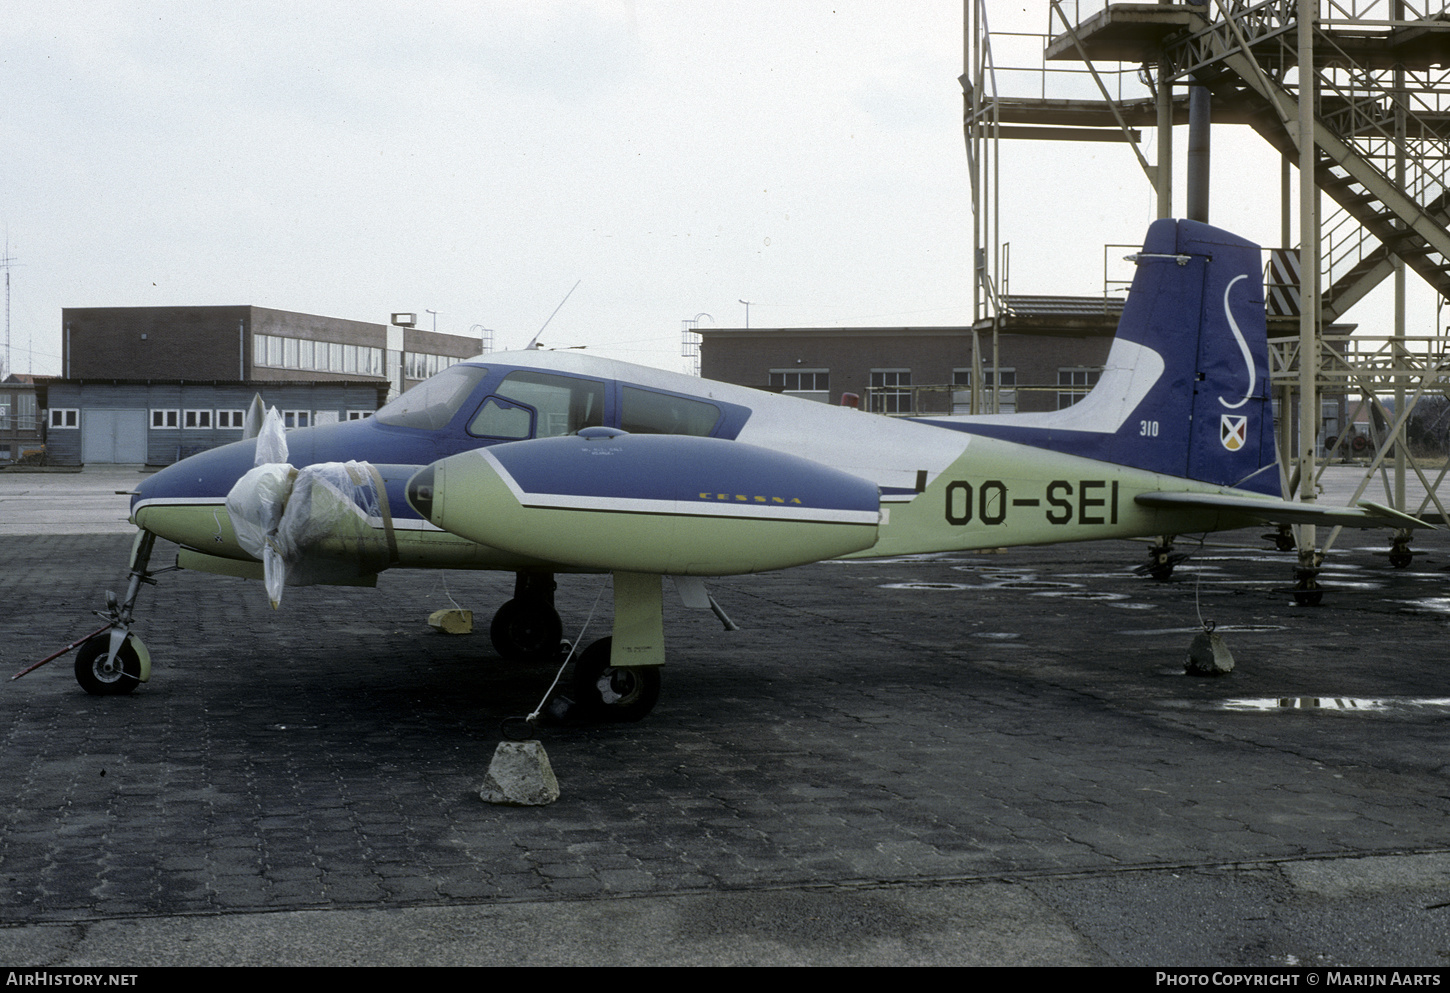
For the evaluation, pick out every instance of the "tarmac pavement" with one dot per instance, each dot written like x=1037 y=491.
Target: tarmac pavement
x=961 y=759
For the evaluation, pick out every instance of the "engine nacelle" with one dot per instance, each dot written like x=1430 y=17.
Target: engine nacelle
x=669 y=504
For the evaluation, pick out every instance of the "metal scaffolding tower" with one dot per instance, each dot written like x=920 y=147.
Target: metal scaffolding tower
x=1355 y=94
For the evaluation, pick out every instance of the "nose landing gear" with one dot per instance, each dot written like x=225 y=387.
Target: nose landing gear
x=111 y=659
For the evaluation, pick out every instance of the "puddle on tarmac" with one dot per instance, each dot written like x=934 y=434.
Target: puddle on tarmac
x=925 y=586
x=1081 y=594
x=1358 y=704
x=1432 y=605
x=1240 y=628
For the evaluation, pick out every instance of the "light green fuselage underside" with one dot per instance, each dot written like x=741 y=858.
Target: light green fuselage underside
x=995 y=494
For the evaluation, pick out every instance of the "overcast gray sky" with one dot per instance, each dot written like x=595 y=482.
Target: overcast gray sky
x=479 y=158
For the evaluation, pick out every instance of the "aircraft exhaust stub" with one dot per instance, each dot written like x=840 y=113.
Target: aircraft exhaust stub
x=666 y=504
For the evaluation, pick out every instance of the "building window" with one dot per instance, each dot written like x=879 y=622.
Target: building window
x=1074 y=384
x=891 y=391
x=25 y=412
x=231 y=419
x=297 y=418
x=65 y=417
x=165 y=419
x=200 y=419
x=358 y=415
x=1006 y=400
x=4 y=413
x=812 y=384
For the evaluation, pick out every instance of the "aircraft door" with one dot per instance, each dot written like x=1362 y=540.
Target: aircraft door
x=552 y=406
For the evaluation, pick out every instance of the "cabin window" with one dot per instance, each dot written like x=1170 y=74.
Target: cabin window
x=296 y=419
x=432 y=404
x=661 y=413
x=502 y=419
x=231 y=418
x=65 y=417
x=197 y=419
x=564 y=405
x=165 y=419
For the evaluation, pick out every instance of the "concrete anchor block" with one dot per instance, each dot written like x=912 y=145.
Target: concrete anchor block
x=520 y=776
x=451 y=621
x=1208 y=655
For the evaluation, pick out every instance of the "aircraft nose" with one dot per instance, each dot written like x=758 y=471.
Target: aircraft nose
x=201 y=480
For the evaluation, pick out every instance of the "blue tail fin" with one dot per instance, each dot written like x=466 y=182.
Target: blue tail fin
x=1185 y=390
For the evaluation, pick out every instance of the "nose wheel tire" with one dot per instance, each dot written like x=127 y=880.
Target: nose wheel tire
x=101 y=677
x=614 y=693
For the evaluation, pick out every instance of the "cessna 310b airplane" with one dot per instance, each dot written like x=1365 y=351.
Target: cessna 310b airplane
x=542 y=463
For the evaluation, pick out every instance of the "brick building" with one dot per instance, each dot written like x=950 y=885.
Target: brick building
x=1051 y=351
x=156 y=384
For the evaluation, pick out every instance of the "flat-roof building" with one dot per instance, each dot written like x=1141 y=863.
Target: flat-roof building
x=156 y=384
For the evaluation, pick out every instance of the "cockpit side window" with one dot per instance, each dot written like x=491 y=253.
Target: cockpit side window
x=645 y=412
x=563 y=405
x=432 y=403
x=502 y=419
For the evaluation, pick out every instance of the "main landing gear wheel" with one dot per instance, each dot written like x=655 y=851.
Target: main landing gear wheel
x=614 y=693
x=526 y=629
x=1310 y=596
x=1307 y=591
x=101 y=677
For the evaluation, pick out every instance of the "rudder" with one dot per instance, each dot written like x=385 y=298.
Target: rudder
x=1185 y=389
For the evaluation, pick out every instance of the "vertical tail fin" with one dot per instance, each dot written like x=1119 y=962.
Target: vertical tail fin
x=1185 y=390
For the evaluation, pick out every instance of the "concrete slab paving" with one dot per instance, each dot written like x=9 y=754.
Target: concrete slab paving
x=958 y=759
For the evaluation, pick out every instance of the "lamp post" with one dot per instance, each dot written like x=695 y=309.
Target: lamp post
x=747 y=312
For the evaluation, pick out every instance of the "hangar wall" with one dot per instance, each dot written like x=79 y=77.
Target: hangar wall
x=160 y=422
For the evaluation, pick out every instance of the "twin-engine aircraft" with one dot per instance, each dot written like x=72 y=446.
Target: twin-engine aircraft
x=546 y=463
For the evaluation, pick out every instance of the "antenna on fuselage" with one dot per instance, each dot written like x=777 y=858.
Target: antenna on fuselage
x=535 y=342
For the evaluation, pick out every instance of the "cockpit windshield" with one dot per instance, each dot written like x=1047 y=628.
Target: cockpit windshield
x=432 y=403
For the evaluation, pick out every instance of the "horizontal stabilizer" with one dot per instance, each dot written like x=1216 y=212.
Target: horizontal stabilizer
x=1366 y=515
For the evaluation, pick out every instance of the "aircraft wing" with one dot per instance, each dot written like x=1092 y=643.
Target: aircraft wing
x=1367 y=514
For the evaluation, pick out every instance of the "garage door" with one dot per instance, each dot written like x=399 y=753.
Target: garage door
x=113 y=436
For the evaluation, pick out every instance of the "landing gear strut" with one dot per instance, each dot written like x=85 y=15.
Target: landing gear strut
x=1161 y=559
x=1307 y=591
x=115 y=661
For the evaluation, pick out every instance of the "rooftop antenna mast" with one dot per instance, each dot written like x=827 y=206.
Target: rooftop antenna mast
x=6 y=262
